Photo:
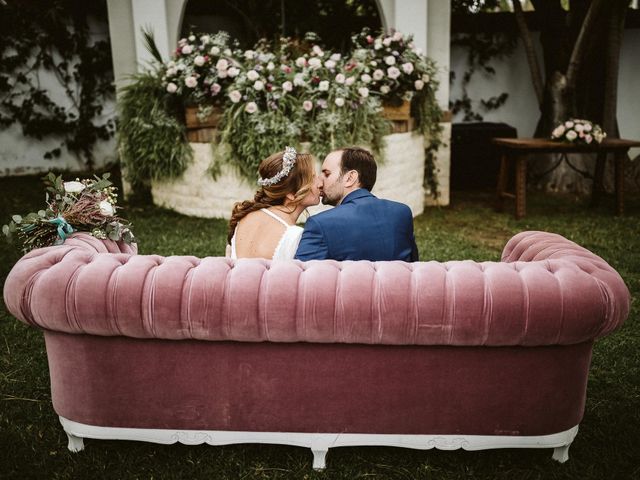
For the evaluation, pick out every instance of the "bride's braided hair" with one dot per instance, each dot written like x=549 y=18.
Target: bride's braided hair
x=298 y=182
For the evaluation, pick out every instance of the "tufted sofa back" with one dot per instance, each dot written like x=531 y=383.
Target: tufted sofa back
x=546 y=290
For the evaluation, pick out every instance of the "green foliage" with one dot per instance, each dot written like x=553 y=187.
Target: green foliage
x=53 y=37
x=151 y=139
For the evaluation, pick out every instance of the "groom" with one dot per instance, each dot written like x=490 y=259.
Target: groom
x=361 y=227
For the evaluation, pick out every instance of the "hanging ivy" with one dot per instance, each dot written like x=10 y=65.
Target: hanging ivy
x=52 y=37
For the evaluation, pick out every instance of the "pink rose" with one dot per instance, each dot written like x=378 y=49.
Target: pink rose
x=307 y=105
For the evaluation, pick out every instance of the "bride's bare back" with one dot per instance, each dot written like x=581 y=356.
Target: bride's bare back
x=258 y=235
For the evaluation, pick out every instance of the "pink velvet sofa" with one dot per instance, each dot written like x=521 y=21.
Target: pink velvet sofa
x=320 y=354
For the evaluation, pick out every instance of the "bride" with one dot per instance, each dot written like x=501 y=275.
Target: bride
x=265 y=227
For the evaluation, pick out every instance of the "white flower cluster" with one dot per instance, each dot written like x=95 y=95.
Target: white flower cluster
x=576 y=130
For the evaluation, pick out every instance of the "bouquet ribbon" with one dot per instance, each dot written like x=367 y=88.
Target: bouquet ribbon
x=63 y=228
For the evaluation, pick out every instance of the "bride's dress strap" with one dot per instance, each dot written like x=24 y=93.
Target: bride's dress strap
x=271 y=214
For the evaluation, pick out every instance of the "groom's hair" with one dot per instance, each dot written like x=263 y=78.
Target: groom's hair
x=360 y=160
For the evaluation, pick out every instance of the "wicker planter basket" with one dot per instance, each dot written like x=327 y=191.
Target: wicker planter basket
x=400 y=117
x=202 y=129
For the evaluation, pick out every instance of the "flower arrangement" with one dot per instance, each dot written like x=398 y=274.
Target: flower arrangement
x=292 y=91
x=201 y=68
x=393 y=66
x=81 y=205
x=580 y=131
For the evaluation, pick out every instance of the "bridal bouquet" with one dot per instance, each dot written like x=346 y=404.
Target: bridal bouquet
x=82 y=205
x=579 y=131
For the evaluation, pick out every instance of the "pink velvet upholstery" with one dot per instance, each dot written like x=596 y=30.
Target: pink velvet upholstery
x=491 y=348
x=546 y=291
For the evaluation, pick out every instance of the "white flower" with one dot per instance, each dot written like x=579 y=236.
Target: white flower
x=251 y=107
x=418 y=84
x=317 y=50
x=307 y=105
x=366 y=78
x=340 y=78
x=287 y=86
x=171 y=71
x=407 y=68
x=298 y=80
x=330 y=64
x=339 y=102
x=426 y=78
x=223 y=73
x=378 y=74
x=172 y=87
x=192 y=38
x=349 y=81
x=587 y=127
x=258 y=86
x=384 y=89
x=397 y=36
x=73 y=187
x=233 y=72
x=214 y=51
x=364 y=92
x=323 y=86
x=222 y=64
x=235 y=96
x=386 y=42
x=187 y=49
x=198 y=61
x=571 y=135
x=249 y=54
x=335 y=57
x=373 y=63
x=390 y=60
x=191 y=82
x=252 y=75
x=270 y=66
x=578 y=128
x=558 y=131
x=315 y=63
x=393 y=72
x=301 y=62
x=377 y=45
x=227 y=52
x=106 y=208
x=205 y=38
x=568 y=124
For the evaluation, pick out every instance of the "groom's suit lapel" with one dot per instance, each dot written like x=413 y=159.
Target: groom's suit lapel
x=356 y=195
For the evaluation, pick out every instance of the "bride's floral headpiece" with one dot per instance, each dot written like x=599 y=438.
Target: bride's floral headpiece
x=288 y=161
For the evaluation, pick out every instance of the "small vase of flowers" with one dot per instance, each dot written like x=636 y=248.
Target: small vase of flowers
x=578 y=131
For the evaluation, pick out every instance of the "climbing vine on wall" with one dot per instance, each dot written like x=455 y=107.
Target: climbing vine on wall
x=481 y=49
x=43 y=39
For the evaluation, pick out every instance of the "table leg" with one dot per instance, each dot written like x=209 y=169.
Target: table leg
x=619 y=172
x=503 y=177
x=521 y=186
x=598 y=179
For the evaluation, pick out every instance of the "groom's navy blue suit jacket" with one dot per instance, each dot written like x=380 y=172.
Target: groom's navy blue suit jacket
x=362 y=227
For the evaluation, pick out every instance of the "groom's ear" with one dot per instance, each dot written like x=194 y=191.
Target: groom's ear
x=352 y=178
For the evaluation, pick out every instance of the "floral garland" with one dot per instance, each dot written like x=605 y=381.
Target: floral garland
x=82 y=205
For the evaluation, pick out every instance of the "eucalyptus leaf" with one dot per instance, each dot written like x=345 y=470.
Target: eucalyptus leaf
x=5 y=230
x=17 y=218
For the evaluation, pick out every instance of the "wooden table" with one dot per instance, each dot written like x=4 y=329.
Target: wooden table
x=514 y=151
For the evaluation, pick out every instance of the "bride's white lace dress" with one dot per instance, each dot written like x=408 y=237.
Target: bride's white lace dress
x=288 y=244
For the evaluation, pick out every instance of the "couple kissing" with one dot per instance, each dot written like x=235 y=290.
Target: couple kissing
x=360 y=227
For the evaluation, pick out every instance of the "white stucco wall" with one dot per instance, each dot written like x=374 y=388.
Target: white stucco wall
x=22 y=155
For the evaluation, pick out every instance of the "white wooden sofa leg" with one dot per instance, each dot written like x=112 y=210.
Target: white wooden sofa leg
x=319 y=458
x=75 y=444
x=561 y=454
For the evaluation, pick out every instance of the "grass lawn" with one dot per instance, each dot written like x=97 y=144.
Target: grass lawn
x=33 y=444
